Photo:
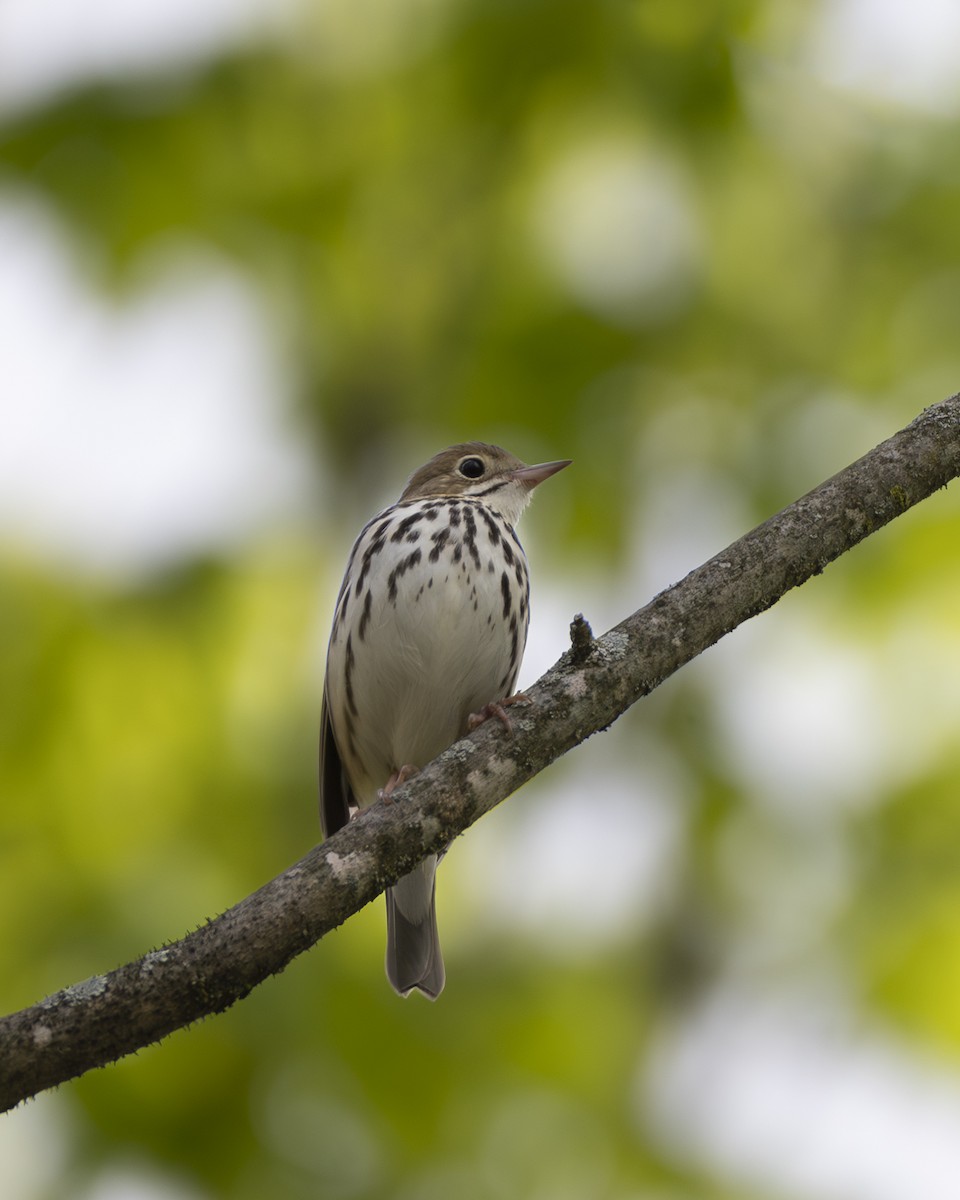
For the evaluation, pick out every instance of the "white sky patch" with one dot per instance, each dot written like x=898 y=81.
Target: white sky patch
x=813 y=715
x=802 y=1103
x=139 y=1181
x=48 y=46
x=588 y=854
x=905 y=53
x=36 y=1142
x=136 y=436
x=684 y=518
x=615 y=223
x=798 y=715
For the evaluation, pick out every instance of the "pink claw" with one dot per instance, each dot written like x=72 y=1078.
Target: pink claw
x=397 y=779
x=498 y=709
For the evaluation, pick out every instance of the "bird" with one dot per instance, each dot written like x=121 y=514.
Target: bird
x=428 y=632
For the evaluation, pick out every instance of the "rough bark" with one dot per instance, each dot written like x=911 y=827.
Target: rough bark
x=103 y=1018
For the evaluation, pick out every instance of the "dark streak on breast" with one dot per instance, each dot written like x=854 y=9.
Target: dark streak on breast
x=470 y=534
x=399 y=571
x=376 y=545
x=493 y=529
x=348 y=665
x=365 y=615
x=405 y=527
x=439 y=539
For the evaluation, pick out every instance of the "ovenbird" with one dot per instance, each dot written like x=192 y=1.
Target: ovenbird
x=428 y=632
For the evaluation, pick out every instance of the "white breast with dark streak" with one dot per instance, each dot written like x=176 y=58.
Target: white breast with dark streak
x=430 y=626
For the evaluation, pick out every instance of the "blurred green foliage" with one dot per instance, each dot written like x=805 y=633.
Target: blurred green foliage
x=383 y=180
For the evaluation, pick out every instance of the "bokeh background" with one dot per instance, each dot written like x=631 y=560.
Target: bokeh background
x=258 y=260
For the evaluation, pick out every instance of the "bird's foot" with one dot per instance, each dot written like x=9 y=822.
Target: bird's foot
x=498 y=709
x=397 y=779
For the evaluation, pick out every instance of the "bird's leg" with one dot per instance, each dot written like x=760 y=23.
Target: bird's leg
x=498 y=709
x=397 y=779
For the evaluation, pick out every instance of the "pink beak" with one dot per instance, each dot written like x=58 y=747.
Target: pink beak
x=531 y=476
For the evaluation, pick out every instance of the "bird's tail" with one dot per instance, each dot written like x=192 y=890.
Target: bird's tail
x=413 y=944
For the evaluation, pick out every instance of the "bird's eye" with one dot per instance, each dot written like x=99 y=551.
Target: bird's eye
x=472 y=468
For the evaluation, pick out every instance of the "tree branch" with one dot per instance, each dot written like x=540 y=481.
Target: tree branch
x=102 y=1019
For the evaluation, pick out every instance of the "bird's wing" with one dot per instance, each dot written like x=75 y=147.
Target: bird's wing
x=336 y=795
